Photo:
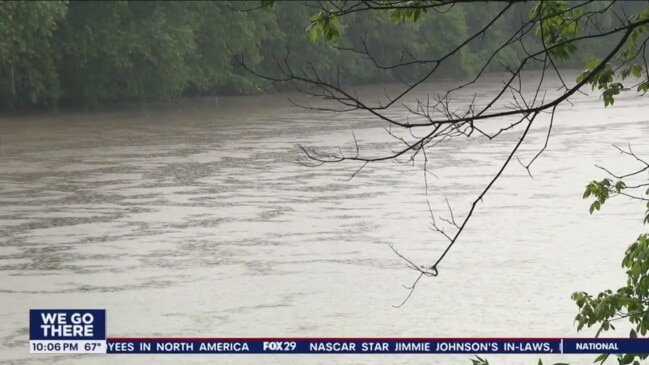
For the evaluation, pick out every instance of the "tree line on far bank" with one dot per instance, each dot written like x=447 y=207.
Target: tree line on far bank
x=89 y=52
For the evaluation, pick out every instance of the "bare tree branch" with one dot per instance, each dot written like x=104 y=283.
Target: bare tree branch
x=437 y=120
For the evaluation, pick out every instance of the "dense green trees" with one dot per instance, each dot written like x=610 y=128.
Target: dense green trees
x=85 y=52
x=28 y=56
x=88 y=52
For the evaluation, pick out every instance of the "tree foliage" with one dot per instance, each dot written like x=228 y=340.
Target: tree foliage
x=631 y=301
x=86 y=52
x=28 y=55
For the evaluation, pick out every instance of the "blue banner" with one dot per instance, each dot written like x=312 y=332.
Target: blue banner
x=606 y=345
x=67 y=324
x=375 y=345
x=331 y=346
x=84 y=331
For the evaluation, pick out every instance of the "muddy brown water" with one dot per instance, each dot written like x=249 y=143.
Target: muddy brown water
x=195 y=219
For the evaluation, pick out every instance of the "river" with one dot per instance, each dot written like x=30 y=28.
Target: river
x=195 y=219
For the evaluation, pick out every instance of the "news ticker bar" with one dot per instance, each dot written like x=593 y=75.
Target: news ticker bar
x=344 y=346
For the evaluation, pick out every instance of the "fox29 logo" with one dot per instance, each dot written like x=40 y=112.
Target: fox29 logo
x=67 y=324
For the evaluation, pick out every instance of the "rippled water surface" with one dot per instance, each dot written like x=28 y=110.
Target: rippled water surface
x=196 y=219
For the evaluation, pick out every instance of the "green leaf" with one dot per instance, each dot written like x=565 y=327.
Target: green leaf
x=313 y=34
x=592 y=63
x=595 y=206
x=626 y=359
x=396 y=17
x=415 y=16
x=601 y=358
